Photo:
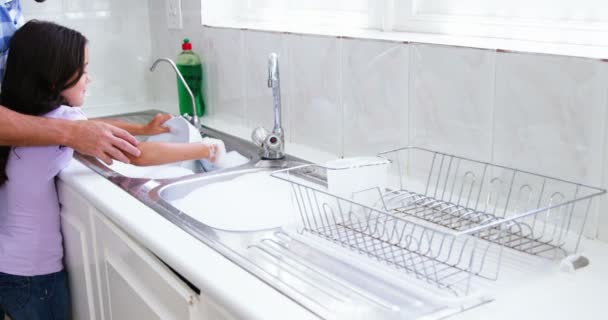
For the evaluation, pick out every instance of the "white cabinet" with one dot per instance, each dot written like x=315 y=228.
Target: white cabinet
x=113 y=277
x=135 y=283
x=79 y=251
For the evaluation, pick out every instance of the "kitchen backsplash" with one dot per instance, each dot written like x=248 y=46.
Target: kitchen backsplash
x=119 y=46
x=542 y=113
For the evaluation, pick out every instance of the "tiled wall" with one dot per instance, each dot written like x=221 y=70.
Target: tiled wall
x=542 y=113
x=537 y=112
x=167 y=43
x=119 y=45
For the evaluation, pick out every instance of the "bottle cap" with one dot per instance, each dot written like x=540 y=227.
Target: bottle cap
x=186 y=45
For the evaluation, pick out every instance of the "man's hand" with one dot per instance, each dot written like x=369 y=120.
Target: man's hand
x=102 y=140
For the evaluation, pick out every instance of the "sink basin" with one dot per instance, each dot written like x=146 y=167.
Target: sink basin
x=168 y=171
x=175 y=170
x=249 y=218
x=246 y=200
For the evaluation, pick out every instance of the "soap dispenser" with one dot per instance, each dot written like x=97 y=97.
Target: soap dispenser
x=191 y=68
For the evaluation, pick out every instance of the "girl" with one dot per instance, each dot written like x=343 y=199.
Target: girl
x=46 y=75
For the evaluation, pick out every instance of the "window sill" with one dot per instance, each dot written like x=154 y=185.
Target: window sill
x=485 y=43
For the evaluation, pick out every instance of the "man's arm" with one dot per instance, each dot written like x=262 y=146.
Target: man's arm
x=97 y=139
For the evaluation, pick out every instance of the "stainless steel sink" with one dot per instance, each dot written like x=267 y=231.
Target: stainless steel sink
x=245 y=148
x=319 y=275
x=307 y=270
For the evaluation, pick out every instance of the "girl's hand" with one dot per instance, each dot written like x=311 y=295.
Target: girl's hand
x=212 y=151
x=215 y=147
x=155 y=125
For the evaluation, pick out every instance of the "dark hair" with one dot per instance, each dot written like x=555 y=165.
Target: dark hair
x=42 y=61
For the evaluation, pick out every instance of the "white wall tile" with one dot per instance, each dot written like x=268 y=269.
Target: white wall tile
x=314 y=86
x=117 y=63
x=125 y=37
x=375 y=96
x=119 y=45
x=550 y=118
x=548 y=115
x=49 y=8
x=225 y=73
x=258 y=45
x=451 y=91
x=603 y=211
x=162 y=84
x=82 y=5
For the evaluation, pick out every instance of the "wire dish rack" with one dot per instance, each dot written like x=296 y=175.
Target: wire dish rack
x=445 y=219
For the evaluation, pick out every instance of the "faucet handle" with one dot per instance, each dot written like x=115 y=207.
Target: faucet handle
x=258 y=136
x=274 y=143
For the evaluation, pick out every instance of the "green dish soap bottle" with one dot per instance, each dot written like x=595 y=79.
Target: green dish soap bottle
x=189 y=64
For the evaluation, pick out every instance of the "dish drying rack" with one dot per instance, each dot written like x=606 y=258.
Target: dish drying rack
x=445 y=219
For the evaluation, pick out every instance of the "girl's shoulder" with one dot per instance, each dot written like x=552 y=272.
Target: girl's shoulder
x=67 y=113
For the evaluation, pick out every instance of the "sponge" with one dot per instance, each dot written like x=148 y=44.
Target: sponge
x=229 y=160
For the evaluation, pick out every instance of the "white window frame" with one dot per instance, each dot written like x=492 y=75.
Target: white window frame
x=395 y=17
x=562 y=31
x=238 y=13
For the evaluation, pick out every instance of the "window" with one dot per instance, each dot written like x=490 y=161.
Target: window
x=556 y=21
x=561 y=21
x=290 y=14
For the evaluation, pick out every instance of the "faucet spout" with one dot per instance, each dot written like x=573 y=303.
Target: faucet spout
x=274 y=82
x=195 y=120
x=272 y=144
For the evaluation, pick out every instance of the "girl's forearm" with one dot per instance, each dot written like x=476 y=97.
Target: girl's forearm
x=156 y=153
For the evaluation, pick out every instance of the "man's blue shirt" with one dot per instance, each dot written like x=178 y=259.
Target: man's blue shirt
x=10 y=20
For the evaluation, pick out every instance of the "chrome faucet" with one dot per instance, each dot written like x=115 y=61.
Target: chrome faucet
x=273 y=144
x=194 y=119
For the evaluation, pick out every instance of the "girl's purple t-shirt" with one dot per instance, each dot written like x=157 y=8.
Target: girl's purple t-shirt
x=30 y=226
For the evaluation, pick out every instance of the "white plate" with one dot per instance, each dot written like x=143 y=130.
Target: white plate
x=180 y=131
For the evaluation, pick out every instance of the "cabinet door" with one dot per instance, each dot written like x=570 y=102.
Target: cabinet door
x=78 y=242
x=135 y=283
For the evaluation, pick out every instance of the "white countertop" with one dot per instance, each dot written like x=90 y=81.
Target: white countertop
x=554 y=295
x=229 y=285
